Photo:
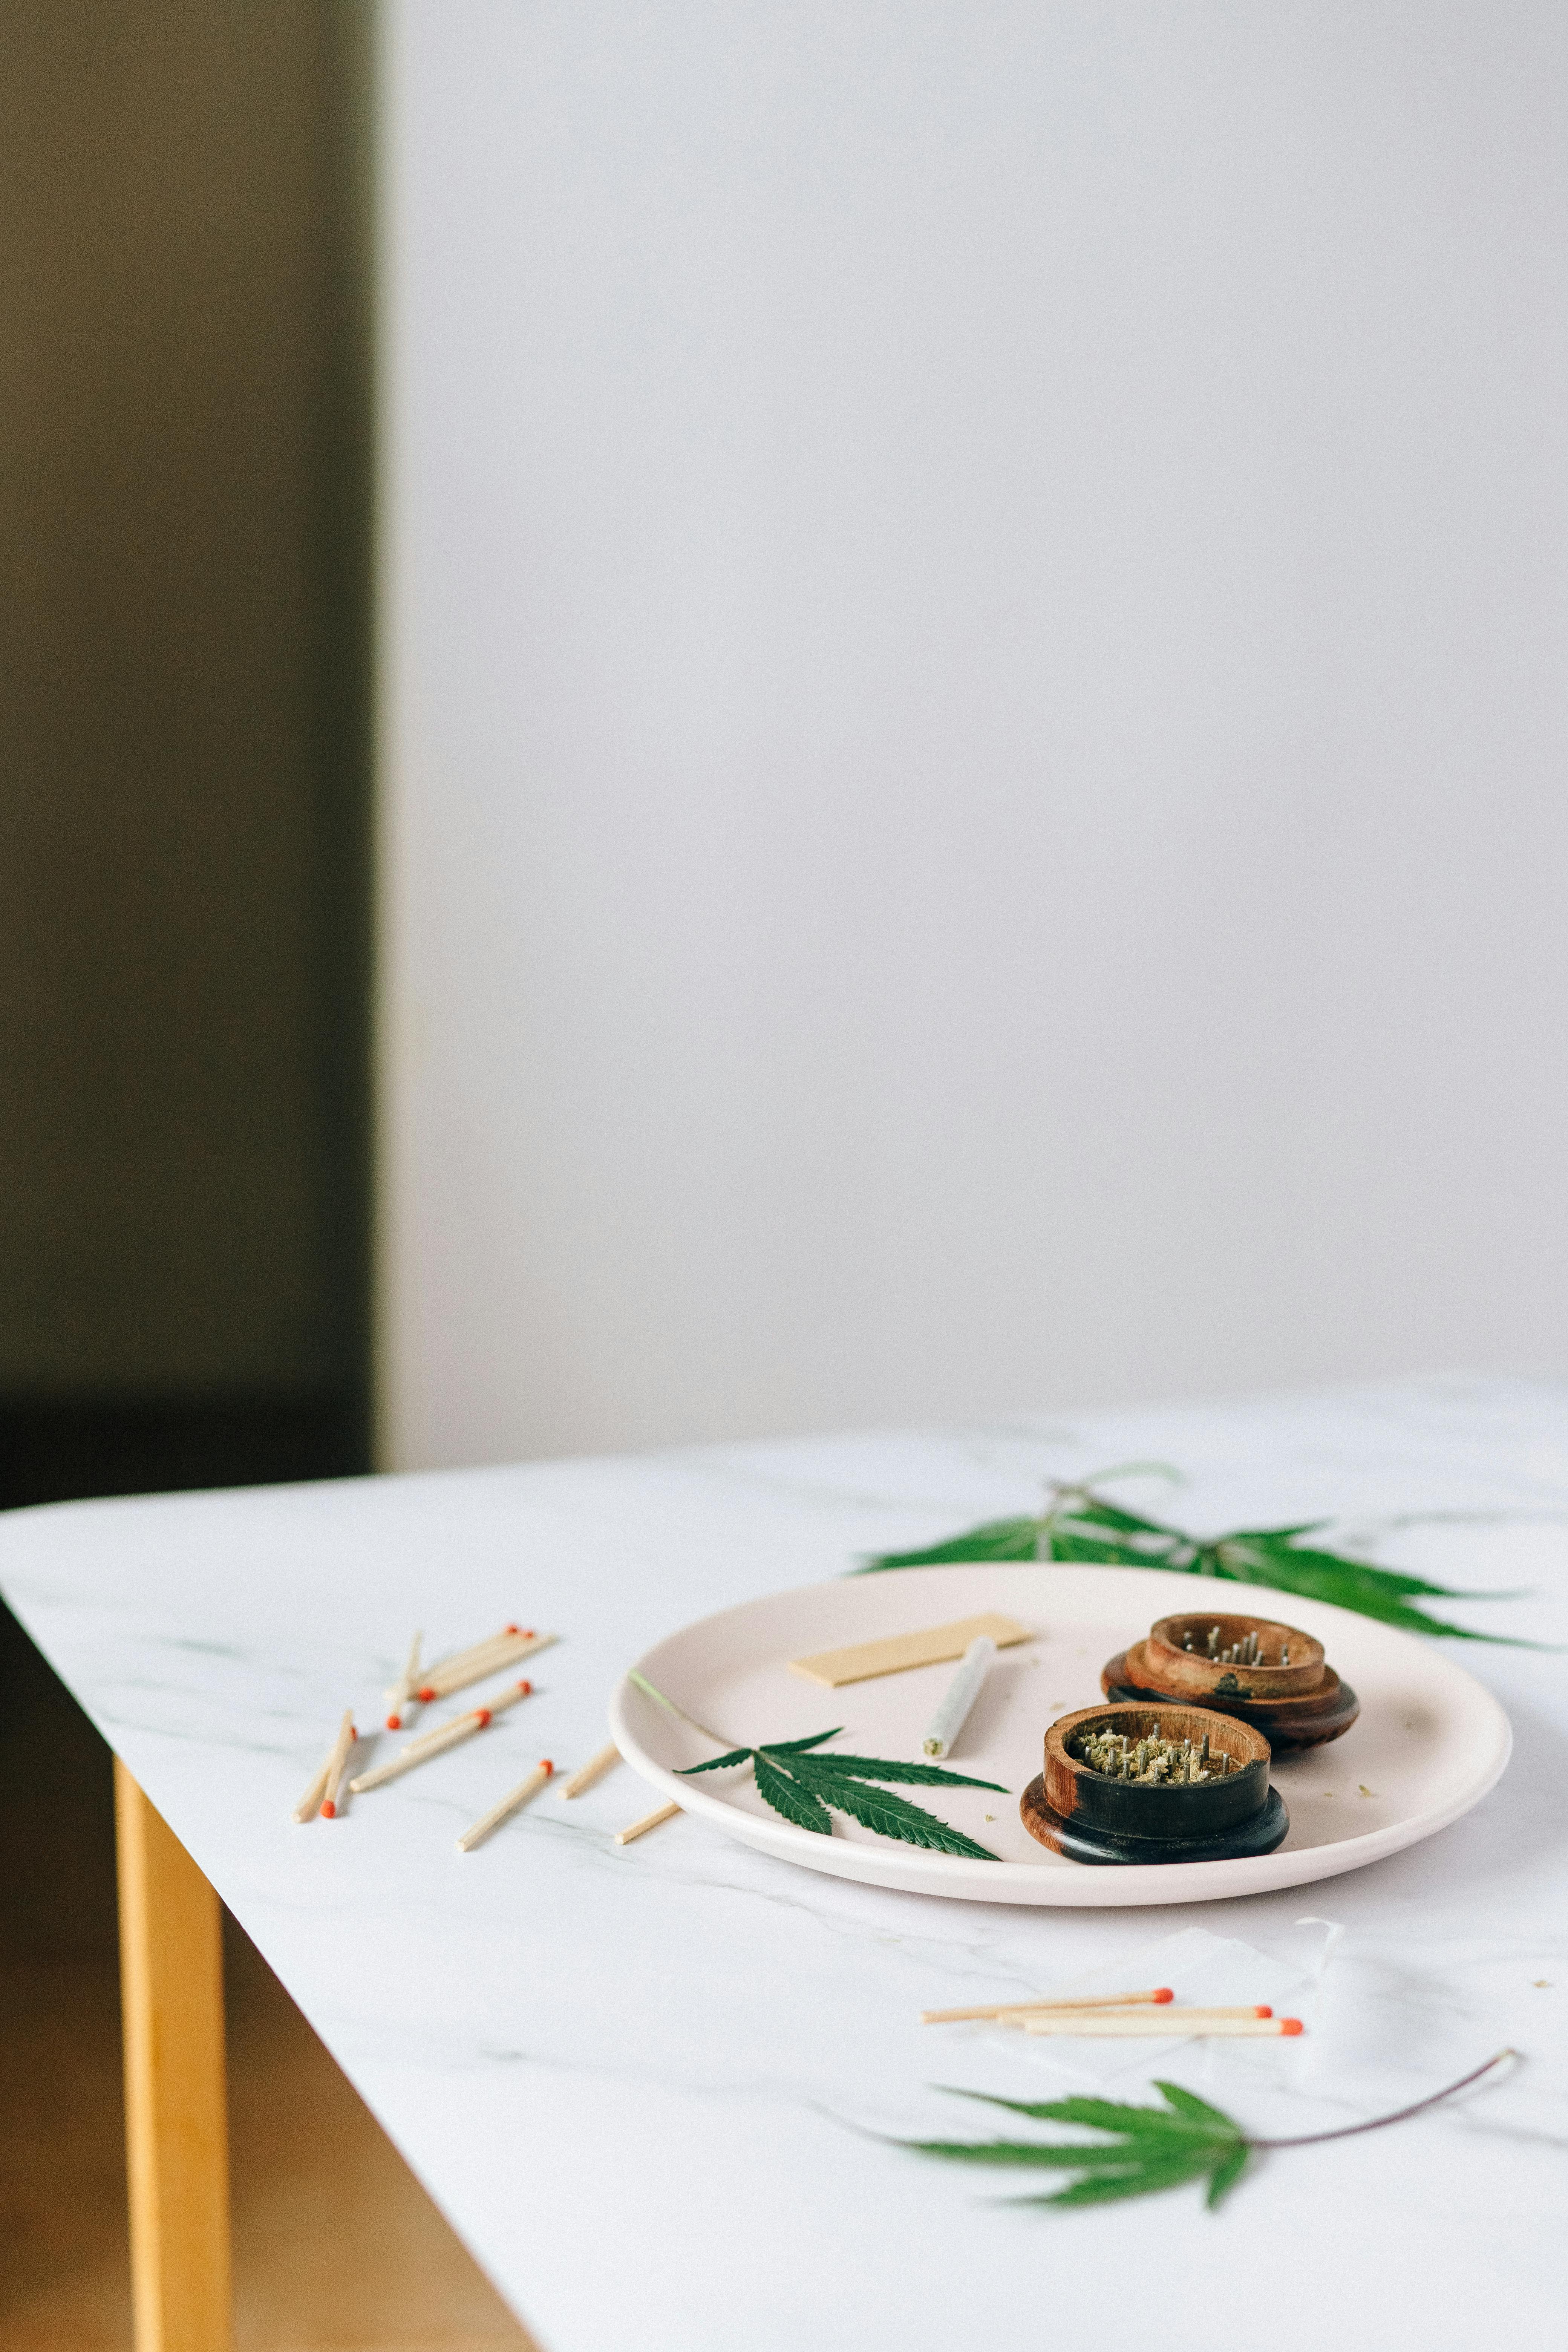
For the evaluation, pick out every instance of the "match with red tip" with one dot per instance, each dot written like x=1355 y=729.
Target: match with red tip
x=1162 y=1993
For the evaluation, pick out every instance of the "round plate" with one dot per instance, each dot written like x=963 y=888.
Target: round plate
x=1430 y=1742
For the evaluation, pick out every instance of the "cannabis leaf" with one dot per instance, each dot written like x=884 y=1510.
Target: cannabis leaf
x=1147 y=2149
x=1081 y=1524
x=1144 y=2149
x=806 y=1786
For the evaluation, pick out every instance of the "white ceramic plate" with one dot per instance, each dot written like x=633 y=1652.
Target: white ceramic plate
x=1429 y=1744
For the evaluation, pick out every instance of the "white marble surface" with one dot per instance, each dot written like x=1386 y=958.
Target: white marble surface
x=631 y=2075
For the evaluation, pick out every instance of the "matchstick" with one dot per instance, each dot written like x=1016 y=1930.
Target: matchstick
x=649 y=1822
x=473 y=1649
x=1031 y=2008
x=310 y=1804
x=1130 y=2023
x=404 y=1688
x=477 y=1715
x=498 y=1813
x=338 y=1764
x=958 y=1697
x=453 y=1737
x=594 y=1769
x=473 y=1666
x=436 y=1742
x=1172 y=2021
x=460 y=1661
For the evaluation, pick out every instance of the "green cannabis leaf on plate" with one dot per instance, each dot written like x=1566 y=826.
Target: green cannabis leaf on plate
x=1141 y=2150
x=1079 y=1522
x=806 y=1786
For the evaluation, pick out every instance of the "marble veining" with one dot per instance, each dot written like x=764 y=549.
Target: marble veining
x=640 y=2080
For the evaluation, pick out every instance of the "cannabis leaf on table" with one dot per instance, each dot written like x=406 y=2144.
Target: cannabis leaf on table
x=1146 y=2148
x=1079 y=1522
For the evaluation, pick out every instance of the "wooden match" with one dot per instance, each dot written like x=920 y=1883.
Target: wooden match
x=594 y=1769
x=453 y=1737
x=337 y=1764
x=492 y=1657
x=1131 y=2023
x=1161 y=1993
x=310 y=1804
x=1171 y=2021
x=436 y=1742
x=649 y=1822
x=498 y=1813
x=455 y=1660
x=404 y=1688
x=476 y=1717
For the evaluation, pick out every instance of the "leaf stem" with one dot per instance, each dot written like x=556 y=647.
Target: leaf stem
x=1085 y=1485
x=1349 y=2131
x=659 y=1700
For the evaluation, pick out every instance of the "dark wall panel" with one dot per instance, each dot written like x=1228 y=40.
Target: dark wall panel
x=183 y=732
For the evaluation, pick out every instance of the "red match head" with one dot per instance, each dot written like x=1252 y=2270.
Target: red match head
x=1291 y=2025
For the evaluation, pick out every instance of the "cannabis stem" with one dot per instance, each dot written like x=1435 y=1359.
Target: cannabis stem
x=1349 y=2131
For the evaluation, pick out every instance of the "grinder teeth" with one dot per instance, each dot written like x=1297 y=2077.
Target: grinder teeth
x=1151 y=1759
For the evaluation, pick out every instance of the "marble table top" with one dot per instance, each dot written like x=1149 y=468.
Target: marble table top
x=645 y=2082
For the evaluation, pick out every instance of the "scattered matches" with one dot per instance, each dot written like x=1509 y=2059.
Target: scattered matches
x=421 y=1684
x=1153 y=1760
x=1122 y=2015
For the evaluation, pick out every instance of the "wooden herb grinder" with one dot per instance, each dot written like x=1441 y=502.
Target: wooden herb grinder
x=1121 y=1810
x=1271 y=1675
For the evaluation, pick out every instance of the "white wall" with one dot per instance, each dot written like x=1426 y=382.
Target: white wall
x=974 y=707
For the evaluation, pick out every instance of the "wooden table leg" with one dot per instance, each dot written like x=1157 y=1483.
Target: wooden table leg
x=176 y=2118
